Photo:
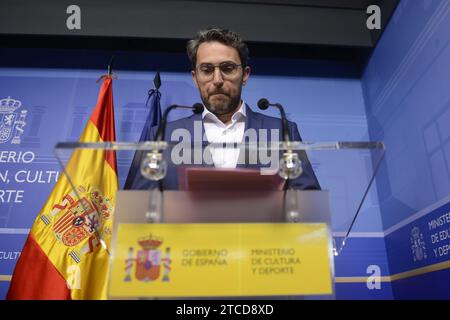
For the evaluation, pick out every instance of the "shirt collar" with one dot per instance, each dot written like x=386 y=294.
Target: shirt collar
x=241 y=113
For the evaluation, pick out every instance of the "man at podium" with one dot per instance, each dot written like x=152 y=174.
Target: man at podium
x=220 y=69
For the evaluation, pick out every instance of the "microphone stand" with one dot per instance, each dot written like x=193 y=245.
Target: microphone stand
x=154 y=167
x=290 y=164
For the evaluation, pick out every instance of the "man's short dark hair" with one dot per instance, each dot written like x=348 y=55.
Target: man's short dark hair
x=227 y=37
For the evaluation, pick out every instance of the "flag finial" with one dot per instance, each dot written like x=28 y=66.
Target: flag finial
x=157 y=81
x=110 y=65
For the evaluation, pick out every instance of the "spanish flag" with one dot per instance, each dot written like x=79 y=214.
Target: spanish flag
x=66 y=255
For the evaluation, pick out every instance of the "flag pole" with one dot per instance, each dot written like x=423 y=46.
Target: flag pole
x=110 y=66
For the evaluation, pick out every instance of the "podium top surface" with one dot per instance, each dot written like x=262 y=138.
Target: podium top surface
x=162 y=145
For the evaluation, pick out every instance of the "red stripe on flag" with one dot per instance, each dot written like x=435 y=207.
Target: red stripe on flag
x=63 y=227
x=64 y=220
x=103 y=118
x=35 y=277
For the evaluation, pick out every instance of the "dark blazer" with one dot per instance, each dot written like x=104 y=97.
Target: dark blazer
x=255 y=120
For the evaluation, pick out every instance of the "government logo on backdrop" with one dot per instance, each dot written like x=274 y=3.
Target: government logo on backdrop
x=418 y=247
x=12 y=122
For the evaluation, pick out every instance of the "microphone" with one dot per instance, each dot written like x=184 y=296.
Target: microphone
x=197 y=108
x=290 y=164
x=263 y=104
x=153 y=166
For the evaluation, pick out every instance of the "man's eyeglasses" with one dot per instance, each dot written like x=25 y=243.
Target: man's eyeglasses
x=228 y=70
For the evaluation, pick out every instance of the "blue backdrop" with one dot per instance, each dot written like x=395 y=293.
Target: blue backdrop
x=407 y=94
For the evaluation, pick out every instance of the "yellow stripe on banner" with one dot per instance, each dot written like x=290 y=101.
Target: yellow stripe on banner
x=358 y=279
x=398 y=276
x=5 y=277
x=419 y=271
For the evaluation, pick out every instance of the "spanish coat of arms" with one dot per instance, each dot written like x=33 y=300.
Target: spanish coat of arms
x=148 y=261
x=81 y=218
x=12 y=122
x=418 y=247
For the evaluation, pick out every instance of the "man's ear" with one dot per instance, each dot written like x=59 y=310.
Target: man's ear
x=194 y=78
x=245 y=75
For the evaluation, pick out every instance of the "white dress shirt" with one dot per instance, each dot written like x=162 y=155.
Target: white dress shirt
x=218 y=132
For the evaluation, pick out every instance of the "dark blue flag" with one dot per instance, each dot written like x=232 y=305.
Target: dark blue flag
x=154 y=116
x=153 y=119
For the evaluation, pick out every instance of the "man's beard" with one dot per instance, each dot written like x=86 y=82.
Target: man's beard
x=222 y=106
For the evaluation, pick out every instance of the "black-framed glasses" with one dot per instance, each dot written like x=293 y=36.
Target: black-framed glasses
x=228 y=69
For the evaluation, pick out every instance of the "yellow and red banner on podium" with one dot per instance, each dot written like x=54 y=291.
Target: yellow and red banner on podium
x=205 y=260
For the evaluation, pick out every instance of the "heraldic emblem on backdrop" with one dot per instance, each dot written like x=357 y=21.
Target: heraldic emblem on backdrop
x=78 y=219
x=148 y=261
x=11 y=122
x=418 y=247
